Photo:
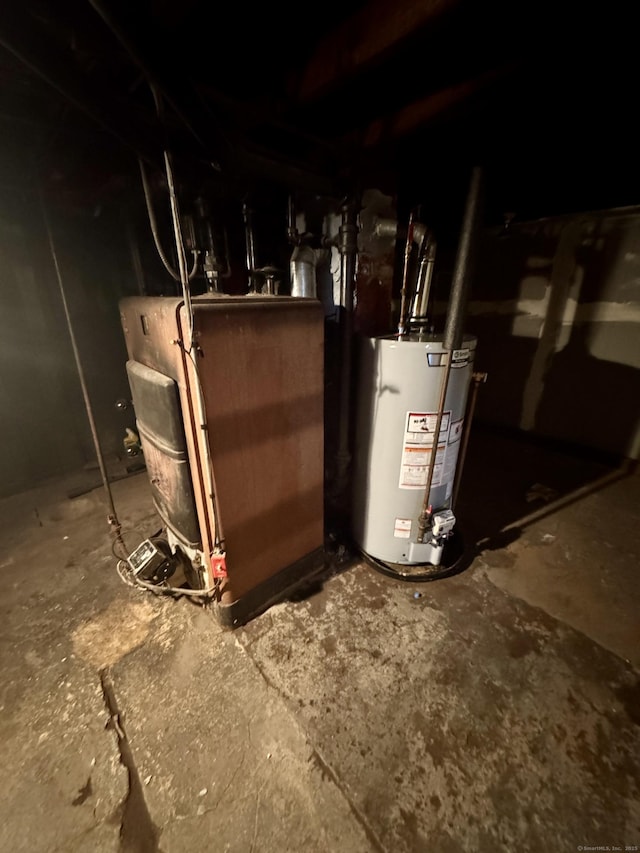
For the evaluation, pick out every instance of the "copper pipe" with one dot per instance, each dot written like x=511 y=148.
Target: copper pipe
x=425 y=515
x=405 y=272
x=453 y=332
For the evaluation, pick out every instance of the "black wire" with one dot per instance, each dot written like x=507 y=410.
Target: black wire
x=196 y=595
x=154 y=229
x=118 y=540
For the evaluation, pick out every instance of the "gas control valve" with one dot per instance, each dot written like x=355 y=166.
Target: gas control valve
x=442 y=523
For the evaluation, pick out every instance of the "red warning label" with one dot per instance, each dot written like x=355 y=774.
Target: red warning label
x=219 y=565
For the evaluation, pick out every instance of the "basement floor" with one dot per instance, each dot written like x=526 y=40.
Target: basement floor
x=495 y=710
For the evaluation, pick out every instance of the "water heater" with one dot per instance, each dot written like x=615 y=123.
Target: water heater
x=400 y=385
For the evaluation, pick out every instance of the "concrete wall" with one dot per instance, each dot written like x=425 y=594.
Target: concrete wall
x=43 y=425
x=556 y=306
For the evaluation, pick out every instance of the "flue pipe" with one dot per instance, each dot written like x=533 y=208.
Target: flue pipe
x=420 y=306
x=463 y=271
x=453 y=327
x=303 y=272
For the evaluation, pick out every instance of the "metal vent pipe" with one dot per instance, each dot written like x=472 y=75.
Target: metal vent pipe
x=303 y=272
x=462 y=272
x=453 y=330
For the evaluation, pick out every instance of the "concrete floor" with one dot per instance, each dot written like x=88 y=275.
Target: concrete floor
x=495 y=710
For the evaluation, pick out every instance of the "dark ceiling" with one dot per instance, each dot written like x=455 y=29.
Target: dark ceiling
x=405 y=95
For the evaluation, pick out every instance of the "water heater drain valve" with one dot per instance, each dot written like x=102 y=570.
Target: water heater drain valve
x=442 y=523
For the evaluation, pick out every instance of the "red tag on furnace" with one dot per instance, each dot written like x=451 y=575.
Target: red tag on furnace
x=219 y=565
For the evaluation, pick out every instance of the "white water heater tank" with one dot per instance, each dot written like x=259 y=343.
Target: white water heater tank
x=400 y=382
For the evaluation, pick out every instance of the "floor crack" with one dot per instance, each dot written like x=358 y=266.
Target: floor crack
x=324 y=766
x=138 y=833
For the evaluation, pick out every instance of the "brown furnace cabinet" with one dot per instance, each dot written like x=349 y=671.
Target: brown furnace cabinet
x=234 y=446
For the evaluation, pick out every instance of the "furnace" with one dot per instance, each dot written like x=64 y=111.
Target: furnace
x=228 y=397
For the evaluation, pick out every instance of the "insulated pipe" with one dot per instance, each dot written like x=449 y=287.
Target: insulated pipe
x=462 y=272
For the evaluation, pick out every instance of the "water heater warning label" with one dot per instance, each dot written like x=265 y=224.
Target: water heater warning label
x=415 y=467
x=422 y=425
x=402 y=528
x=417 y=447
x=455 y=433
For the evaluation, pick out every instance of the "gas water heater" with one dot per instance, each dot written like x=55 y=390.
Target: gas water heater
x=413 y=389
x=400 y=385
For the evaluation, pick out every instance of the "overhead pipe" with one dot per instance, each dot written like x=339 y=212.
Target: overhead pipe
x=348 y=248
x=454 y=324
